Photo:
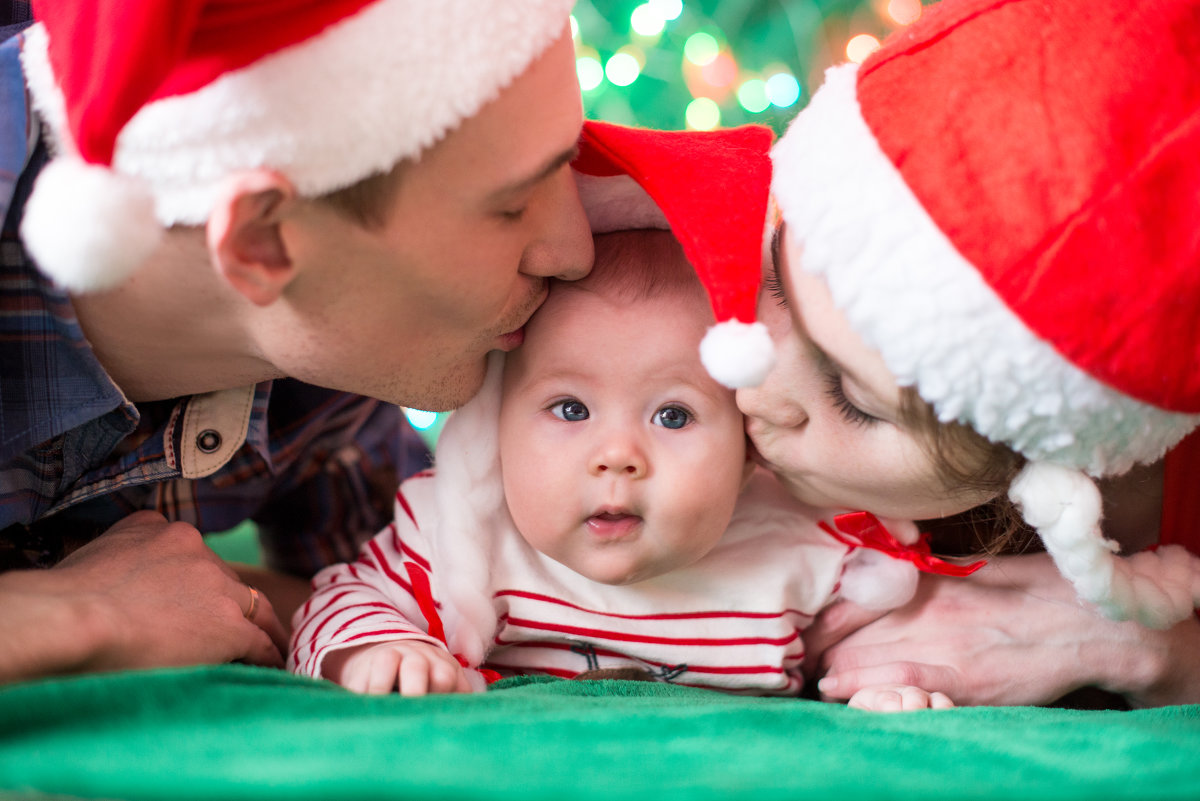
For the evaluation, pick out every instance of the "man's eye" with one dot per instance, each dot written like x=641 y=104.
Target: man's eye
x=570 y=410
x=513 y=215
x=672 y=417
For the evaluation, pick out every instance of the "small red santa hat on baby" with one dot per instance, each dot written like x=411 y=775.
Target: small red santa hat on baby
x=152 y=104
x=1005 y=202
x=711 y=190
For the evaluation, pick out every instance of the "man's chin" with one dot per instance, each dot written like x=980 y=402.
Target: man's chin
x=447 y=391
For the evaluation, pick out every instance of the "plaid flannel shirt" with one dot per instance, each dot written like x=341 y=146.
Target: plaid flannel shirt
x=316 y=469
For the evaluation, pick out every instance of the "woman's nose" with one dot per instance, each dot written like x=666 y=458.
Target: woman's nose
x=770 y=403
x=619 y=457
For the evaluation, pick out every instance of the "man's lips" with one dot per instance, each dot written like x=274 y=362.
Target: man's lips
x=513 y=339
x=613 y=525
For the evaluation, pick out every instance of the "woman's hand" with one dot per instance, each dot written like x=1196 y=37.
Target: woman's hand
x=1013 y=633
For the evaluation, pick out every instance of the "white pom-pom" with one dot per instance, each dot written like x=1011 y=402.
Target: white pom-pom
x=87 y=227
x=737 y=354
x=874 y=580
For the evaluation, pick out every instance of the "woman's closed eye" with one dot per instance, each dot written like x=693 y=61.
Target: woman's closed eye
x=772 y=282
x=849 y=412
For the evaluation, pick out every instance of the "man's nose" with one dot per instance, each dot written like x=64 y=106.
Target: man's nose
x=563 y=249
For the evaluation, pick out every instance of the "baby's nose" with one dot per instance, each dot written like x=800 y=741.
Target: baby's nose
x=622 y=457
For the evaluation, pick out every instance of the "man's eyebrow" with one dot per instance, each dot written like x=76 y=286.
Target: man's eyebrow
x=549 y=168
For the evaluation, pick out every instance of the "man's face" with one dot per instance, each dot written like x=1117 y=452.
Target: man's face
x=407 y=312
x=622 y=459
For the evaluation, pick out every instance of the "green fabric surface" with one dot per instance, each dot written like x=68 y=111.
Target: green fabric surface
x=237 y=732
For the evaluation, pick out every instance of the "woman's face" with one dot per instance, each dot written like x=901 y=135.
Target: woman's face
x=828 y=419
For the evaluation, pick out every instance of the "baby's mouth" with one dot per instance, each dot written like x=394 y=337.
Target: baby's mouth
x=613 y=524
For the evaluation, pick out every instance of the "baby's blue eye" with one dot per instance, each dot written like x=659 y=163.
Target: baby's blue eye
x=672 y=417
x=570 y=410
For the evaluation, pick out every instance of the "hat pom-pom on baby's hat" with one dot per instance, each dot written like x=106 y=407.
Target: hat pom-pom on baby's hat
x=711 y=189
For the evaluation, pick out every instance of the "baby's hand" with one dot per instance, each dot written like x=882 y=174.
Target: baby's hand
x=412 y=666
x=898 y=698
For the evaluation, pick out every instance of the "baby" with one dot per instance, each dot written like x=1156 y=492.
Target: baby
x=594 y=510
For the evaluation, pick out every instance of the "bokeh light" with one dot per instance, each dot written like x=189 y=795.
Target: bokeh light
x=646 y=21
x=783 y=90
x=904 y=12
x=622 y=68
x=701 y=48
x=752 y=95
x=420 y=419
x=667 y=9
x=861 y=46
x=588 y=68
x=703 y=114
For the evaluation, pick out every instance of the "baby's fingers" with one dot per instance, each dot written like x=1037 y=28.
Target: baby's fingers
x=898 y=698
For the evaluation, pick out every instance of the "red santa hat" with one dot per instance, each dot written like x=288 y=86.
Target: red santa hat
x=1004 y=200
x=152 y=104
x=711 y=189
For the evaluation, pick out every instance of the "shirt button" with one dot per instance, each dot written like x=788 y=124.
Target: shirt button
x=208 y=440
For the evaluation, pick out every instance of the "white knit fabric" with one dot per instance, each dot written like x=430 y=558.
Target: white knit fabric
x=471 y=510
x=910 y=295
x=1157 y=588
x=375 y=88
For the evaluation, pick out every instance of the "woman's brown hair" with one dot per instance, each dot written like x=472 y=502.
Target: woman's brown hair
x=964 y=458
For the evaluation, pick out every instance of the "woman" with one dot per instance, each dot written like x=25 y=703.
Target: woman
x=985 y=287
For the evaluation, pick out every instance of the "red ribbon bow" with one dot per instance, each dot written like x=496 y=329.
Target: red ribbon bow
x=863 y=530
x=423 y=594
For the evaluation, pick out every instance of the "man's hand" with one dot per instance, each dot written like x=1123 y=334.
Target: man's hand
x=146 y=593
x=1013 y=633
x=413 y=667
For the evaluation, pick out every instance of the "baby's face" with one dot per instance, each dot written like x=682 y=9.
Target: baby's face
x=622 y=458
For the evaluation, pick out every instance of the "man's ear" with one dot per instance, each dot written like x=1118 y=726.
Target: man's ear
x=244 y=238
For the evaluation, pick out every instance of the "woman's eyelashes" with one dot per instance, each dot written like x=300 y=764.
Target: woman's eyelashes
x=849 y=412
x=772 y=282
x=774 y=285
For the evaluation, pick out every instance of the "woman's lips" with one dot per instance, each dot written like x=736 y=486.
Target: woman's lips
x=613 y=525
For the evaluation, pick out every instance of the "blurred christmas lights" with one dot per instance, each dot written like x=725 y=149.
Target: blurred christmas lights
x=861 y=46
x=704 y=63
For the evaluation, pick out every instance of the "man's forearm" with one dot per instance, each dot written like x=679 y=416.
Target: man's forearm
x=45 y=631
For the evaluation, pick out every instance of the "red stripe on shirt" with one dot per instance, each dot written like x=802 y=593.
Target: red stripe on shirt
x=624 y=637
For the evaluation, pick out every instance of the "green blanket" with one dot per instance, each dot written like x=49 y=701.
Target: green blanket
x=236 y=732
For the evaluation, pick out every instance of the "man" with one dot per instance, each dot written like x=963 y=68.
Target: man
x=366 y=196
